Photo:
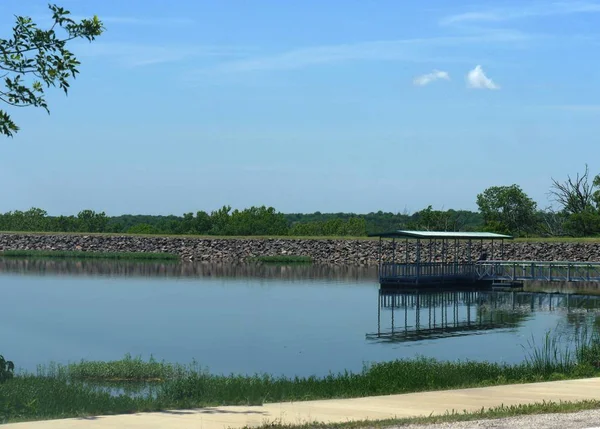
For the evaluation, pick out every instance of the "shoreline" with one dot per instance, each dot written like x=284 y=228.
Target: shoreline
x=333 y=251
x=84 y=388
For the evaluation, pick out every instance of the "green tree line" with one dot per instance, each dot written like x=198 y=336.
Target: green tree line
x=502 y=209
x=253 y=221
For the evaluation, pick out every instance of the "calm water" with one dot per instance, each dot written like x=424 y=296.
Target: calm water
x=299 y=320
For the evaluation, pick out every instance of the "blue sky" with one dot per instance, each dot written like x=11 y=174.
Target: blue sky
x=346 y=105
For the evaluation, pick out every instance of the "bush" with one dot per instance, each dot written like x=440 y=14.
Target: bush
x=143 y=228
x=7 y=369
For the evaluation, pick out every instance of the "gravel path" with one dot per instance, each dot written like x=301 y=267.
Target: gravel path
x=580 y=420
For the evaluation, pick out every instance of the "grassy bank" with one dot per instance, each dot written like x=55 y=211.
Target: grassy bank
x=88 y=388
x=595 y=239
x=88 y=255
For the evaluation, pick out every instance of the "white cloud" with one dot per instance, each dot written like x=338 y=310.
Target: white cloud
x=577 y=107
x=135 y=55
x=430 y=77
x=471 y=16
x=477 y=79
x=416 y=50
x=524 y=11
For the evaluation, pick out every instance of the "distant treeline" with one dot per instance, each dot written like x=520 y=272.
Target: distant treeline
x=503 y=209
x=251 y=221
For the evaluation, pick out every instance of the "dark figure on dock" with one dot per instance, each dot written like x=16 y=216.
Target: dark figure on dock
x=482 y=256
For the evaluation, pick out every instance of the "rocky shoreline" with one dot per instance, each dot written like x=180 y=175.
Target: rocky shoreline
x=322 y=251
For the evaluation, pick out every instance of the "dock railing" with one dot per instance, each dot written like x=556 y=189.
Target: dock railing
x=538 y=270
x=415 y=271
x=491 y=270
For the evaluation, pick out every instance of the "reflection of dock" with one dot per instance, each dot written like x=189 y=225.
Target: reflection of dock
x=427 y=315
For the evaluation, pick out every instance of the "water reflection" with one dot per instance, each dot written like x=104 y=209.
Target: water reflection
x=123 y=268
x=428 y=315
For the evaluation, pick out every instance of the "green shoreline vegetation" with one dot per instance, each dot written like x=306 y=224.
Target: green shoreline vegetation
x=133 y=385
x=561 y=239
x=74 y=254
x=501 y=209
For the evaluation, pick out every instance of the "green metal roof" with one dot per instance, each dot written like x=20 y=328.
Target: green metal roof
x=443 y=235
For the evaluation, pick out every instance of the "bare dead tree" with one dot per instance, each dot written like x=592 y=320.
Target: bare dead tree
x=552 y=223
x=574 y=195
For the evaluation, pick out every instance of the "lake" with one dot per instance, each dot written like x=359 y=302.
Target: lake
x=283 y=320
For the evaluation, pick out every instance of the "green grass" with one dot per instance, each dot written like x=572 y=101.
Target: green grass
x=286 y=237
x=87 y=255
x=196 y=236
x=126 y=369
x=557 y=240
x=88 y=388
x=283 y=259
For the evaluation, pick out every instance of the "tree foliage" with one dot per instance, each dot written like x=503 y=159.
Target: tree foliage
x=7 y=369
x=507 y=209
x=579 y=199
x=354 y=226
x=34 y=59
x=429 y=219
x=90 y=221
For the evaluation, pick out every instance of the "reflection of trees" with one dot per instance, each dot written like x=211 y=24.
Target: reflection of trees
x=506 y=317
x=185 y=269
x=584 y=288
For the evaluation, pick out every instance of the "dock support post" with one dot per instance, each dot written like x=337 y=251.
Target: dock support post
x=394 y=268
x=379 y=314
x=455 y=256
x=418 y=261
x=469 y=250
x=444 y=262
x=380 y=256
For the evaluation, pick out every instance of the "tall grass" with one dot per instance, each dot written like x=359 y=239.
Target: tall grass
x=128 y=369
x=587 y=348
x=580 y=357
x=551 y=357
x=78 y=254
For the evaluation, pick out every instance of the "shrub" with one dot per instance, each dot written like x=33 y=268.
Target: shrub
x=7 y=369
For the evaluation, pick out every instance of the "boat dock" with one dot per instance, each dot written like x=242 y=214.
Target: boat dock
x=434 y=259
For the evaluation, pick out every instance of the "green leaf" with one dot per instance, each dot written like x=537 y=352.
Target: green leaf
x=33 y=51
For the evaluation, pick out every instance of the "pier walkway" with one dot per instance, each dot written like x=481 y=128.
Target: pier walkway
x=339 y=410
